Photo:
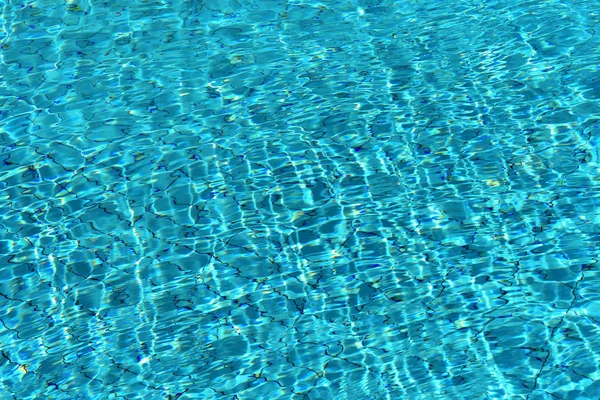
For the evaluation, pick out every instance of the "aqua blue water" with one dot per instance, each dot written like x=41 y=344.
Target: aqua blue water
x=363 y=199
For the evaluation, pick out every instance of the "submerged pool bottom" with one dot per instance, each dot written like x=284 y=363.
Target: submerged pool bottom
x=355 y=200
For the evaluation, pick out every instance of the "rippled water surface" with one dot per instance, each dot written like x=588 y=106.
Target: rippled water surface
x=365 y=199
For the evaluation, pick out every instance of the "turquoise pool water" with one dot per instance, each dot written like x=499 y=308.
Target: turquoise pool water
x=299 y=200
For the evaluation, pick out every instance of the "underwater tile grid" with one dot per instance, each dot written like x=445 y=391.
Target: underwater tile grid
x=362 y=199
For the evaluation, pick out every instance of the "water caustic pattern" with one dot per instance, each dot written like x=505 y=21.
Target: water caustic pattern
x=299 y=200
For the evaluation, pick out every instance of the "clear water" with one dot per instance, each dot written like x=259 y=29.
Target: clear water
x=300 y=200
